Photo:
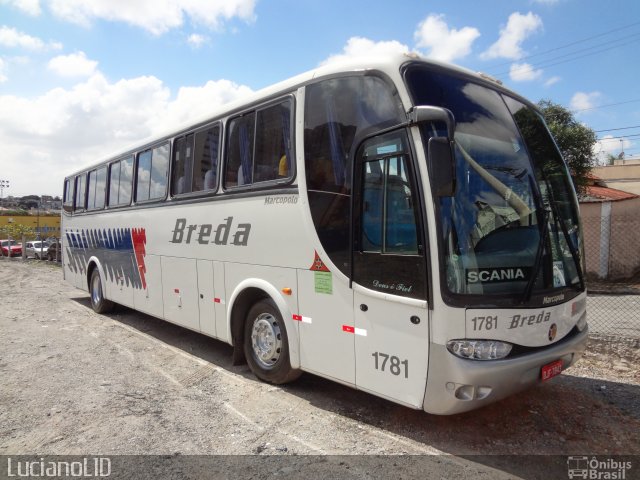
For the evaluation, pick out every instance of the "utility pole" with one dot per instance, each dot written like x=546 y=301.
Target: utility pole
x=3 y=184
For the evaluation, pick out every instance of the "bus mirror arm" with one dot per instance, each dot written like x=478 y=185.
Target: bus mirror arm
x=424 y=113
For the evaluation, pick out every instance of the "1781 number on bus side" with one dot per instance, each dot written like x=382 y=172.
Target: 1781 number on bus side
x=485 y=323
x=394 y=364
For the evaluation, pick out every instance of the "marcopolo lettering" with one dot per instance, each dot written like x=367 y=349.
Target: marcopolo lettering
x=205 y=234
x=518 y=321
x=493 y=275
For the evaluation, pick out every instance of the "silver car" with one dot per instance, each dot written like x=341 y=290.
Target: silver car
x=37 y=249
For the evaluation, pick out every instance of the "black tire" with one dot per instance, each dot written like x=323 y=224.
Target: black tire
x=98 y=302
x=266 y=345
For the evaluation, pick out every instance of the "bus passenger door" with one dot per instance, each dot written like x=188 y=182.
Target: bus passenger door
x=391 y=327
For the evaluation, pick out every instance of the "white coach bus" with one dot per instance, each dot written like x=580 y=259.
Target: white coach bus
x=399 y=226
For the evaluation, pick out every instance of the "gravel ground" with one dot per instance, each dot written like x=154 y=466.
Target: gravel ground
x=76 y=383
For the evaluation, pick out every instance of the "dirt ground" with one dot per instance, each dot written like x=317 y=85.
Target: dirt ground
x=76 y=383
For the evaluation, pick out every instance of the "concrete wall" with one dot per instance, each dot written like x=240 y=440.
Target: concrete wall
x=612 y=238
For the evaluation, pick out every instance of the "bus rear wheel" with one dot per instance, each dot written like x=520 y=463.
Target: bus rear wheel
x=266 y=345
x=98 y=302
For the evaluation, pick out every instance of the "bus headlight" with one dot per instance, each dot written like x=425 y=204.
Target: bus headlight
x=582 y=322
x=479 y=349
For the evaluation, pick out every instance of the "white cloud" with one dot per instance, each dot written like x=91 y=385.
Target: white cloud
x=524 y=72
x=359 y=47
x=12 y=38
x=73 y=65
x=196 y=40
x=443 y=43
x=518 y=28
x=155 y=16
x=584 y=101
x=66 y=129
x=552 y=81
x=608 y=145
x=31 y=7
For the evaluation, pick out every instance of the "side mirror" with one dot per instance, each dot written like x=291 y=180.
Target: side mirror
x=424 y=113
x=442 y=166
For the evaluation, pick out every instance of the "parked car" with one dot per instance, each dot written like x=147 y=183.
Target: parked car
x=10 y=248
x=52 y=252
x=37 y=249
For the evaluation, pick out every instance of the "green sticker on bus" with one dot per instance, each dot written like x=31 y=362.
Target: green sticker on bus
x=323 y=282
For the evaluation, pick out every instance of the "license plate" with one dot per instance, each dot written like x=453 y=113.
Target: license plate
x=550 y=370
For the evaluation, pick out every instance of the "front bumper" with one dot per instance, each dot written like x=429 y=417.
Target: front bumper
x=456 y=385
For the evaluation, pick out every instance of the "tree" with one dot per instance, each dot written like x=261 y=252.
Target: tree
x=575 y=141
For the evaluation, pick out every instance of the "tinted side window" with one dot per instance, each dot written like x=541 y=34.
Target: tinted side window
x=239 y=168
x=336 y=111
x=126 y=181
x=205 y=159
x=120 y=182
x=182 y=159
x=153 y=166
x=79 y=203
x=259 y=146
x=68 y=195
x=273 y=143
x=96 y=188
x=159 y=172
x=143 y=176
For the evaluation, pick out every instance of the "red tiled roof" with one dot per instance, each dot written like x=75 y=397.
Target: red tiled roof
x=603 y=194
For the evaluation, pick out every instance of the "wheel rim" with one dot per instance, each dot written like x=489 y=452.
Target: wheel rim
x=266 y=340
x=96 y=290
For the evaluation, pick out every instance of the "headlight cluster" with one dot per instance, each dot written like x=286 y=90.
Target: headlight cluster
x=582 y=322
x=479 y=349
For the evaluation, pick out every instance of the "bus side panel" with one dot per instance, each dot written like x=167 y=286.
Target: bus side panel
x=326 y=341
x=206 y=297
x=180 y=291
x=149 y=299
x=220 y=301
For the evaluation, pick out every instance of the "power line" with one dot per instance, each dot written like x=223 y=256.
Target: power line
x=607 y=105
x=545 y=63
x=608 y=32
x=622 y=137
x=613 y=129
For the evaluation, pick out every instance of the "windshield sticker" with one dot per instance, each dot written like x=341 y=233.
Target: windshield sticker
x=495 y=275
x=558 y=274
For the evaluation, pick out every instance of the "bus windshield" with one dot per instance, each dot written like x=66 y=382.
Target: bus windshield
x=511 y=229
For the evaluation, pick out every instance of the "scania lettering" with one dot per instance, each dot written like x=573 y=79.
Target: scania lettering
x=400 y=226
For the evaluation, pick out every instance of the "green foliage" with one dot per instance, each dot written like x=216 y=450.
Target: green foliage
x=16 y=230
x=574 y=140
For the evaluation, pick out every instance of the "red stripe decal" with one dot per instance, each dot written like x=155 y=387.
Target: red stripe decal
x=348 y=329
x=139 y=239
x=297 y=318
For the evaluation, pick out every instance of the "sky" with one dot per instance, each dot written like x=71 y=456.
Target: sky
x=82 y=79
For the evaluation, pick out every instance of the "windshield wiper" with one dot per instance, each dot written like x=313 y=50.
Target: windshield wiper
x=528 y=289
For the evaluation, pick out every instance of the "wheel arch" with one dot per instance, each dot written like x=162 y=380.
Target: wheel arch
x=244 y=296
x=92 y=264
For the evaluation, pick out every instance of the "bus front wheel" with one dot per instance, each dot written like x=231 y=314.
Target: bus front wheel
x=98 y=302
x=266 y=345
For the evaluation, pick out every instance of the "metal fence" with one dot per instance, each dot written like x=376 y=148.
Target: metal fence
x=612 y=248
x=52 y=252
